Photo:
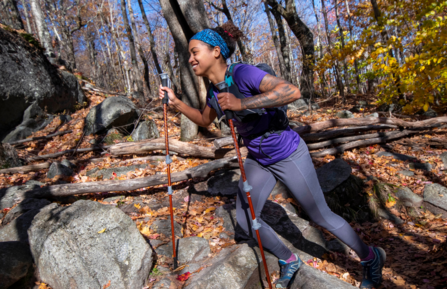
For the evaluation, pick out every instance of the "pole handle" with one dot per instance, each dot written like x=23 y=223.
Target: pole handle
x=164 y=83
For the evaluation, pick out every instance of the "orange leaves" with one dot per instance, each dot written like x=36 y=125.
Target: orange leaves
x=107 y=285
x=184 y=276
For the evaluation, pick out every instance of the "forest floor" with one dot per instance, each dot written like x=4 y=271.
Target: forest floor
x=416 y=250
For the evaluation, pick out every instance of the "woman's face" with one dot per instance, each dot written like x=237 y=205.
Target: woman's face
x=202 y=58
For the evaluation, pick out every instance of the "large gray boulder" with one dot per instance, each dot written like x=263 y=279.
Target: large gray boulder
x=112 y=112
x=164 y=227
x=25 y=206
x=59 y=169
x=27 y=77
x=13 y=195
x=332 y=174
x=15 y=263
x=443 y=157
x=435 y=199
x=146 y=130
x=192 y=249
x=231 y=269
x=88 y=245
x=408 y=198
x=302 y=104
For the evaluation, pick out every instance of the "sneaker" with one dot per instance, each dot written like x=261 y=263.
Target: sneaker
x=287 y=271
x=372 y=269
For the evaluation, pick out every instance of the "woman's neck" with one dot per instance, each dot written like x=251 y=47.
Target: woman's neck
x=216 y=73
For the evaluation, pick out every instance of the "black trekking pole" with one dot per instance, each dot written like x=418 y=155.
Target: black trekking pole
x=223 y=87
x=165 y=82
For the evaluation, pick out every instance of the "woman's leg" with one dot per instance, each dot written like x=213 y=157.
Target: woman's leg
x=297 y=172
x=263 y=183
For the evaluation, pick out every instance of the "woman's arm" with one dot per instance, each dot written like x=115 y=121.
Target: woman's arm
x=275 y=92
x=204 y=118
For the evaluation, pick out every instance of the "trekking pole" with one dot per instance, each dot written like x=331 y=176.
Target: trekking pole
x=223 y=86
x=165 y=82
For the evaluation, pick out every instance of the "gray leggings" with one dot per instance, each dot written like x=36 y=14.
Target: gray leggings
x=297 y=172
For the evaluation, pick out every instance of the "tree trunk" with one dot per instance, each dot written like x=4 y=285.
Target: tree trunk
x=342 y=39
x=357 y=77
x=306 y=40
x=282 y=66
x=182 y=29
x=27 y=18
x=13 y=11
x=320 y=49
x=151 y=37
x=283 y=45
x=42 y=29
x=336 y=68
x=133 y=53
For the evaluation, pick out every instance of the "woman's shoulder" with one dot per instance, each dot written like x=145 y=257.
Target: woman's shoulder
x=248 y=77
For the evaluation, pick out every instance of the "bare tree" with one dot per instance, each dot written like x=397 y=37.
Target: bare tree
x=42 y=28
x=27 y=18
x=342 y=39
x=275 y=39
x=16 y=20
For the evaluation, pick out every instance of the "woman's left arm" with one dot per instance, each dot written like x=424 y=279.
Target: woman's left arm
x=275 y=92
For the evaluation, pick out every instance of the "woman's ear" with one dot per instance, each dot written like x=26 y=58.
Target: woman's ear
x=216 y=52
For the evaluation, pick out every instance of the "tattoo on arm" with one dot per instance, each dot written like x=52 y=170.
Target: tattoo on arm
x=276 y=92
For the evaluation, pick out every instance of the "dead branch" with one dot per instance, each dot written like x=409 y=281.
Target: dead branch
x=40 y=137
x=128 y=185
x=55 y=155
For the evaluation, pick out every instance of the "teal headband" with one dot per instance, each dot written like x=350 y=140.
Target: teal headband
x=213 y=38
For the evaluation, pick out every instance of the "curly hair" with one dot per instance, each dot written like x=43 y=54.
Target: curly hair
x=230 y=33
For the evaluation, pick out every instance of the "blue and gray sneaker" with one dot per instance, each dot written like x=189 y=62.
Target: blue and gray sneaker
x=287 y=271
x=372 y=269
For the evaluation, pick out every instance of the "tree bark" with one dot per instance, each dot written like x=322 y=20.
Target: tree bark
x=282 y=65
x=320 y=49
x=306 y=40
x=342 y=39
x=357 y=77
x=27 y=18
x=133 y=53
x=16 y=20
x=42 y=28
x=284 y=45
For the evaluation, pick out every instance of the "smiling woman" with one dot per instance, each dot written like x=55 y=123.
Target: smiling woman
x=275 y=151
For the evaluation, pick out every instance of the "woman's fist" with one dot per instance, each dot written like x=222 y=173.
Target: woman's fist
x=228 y=101
x=171 y=95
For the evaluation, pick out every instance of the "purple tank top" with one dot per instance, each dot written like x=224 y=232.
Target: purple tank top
x=248 y=78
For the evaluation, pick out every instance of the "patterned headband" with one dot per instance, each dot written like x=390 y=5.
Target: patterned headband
x=213 y=38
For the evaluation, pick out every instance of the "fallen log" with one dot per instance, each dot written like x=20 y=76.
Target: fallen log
x=40 y=137
x=58 y=154
x=388 y=136
x=128 y=185
x=318 y=126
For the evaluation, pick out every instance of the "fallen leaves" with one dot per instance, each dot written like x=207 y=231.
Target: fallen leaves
x=102 y=231
x=184 y=276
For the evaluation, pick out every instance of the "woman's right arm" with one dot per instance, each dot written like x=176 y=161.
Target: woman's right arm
x=204 y=118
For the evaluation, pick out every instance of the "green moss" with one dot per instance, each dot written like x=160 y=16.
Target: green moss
x=110 y=138
x=30 y=38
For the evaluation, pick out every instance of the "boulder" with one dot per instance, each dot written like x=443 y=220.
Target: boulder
x=231 y=269
x=111 y=136
x=224 y=182
x=112 y=112
x=15 y=263
x=88 y=245
x=443 y=157
x=332 y=174
x=345 y=114
x=27 y=77
x=192 y=249
x=34 y=119
x=13 y=195
x=146 y=130
x=435 y=199
x=408 y=198
x=23 y=207
x=335 y=245
x=59 y=169
x=430 y=113
x=302 y=104
x=8 y=156
x=119 y=171
x=374 y=114
x=406 y=173
x=164 y=227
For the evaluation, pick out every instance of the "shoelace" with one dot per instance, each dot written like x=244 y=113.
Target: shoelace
x=365 y=271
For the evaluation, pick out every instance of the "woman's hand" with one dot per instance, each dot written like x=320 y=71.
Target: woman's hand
x=228 y=101
x=172 y=98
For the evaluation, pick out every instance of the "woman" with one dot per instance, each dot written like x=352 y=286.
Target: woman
x=282 y=156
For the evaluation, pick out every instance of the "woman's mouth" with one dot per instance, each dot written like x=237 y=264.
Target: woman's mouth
x=194 y=66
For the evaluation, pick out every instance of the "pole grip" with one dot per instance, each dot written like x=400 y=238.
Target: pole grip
x=223 y=87
x=164 y=83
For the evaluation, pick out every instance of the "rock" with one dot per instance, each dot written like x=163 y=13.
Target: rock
x=65 y=118
x=397 y=156
x=435 y=199
x=311 y=278
x=192 y=249
x=23 y=207
x=113 y=111
x=68 y=164
x=362 y=103
x=408 y=198
x=294 y=124
x=8 y=156
x=13 y=195
x=420 y=166
x=146 y=130
x=302 y=104
x=111 y=136
x=164 y=227
x=87 y=245
x=119 y=171
x=332 y=174
x=224 y=182
x=430 y=113
x=345 y=114
x=164 y=283
x=406 y=173
x=15 y=263
x=375 y=114
x=335 y=245
x=228 y=214
x=390 y=107
x=58 y=169
x=34 y=119
x=27 y=77
x=231 y=269
x=443 y=157
x=385 y=214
